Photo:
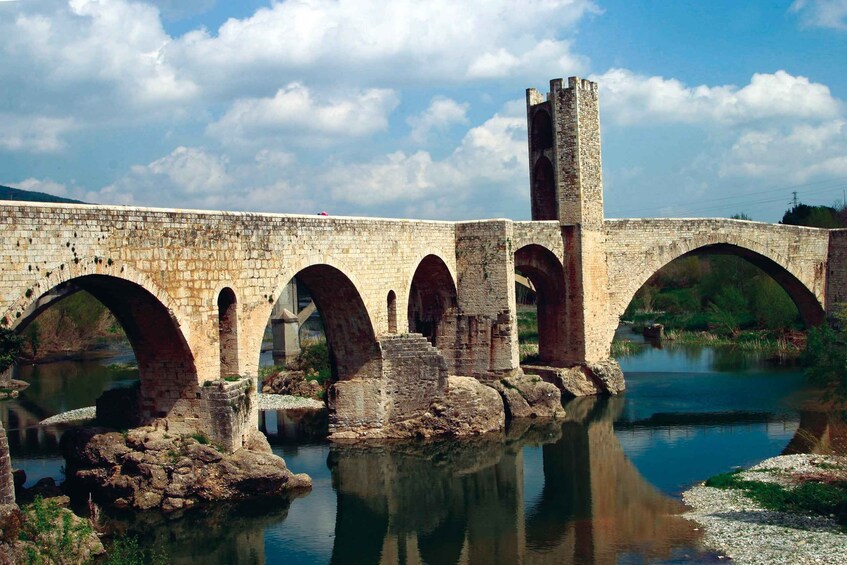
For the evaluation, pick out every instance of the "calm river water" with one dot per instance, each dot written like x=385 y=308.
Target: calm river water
x=601 y=487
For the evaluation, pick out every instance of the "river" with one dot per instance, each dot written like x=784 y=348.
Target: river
x=602 y=486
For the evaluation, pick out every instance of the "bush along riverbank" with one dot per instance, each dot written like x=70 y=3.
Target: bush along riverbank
x=787 y=509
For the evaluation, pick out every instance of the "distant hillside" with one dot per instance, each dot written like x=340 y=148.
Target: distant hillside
x=9 y=193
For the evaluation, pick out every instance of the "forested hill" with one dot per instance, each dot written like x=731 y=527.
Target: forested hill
x=9 y=193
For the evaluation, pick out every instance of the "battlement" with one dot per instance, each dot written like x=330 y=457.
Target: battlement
x=534 y=96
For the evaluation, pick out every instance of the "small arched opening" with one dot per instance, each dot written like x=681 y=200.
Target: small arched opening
x=542 y=131
x=392 y=312
x=228 y=332
x=544 y=205
x=432 y=300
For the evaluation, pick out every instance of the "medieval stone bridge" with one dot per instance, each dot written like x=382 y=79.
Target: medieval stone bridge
x=194 y=290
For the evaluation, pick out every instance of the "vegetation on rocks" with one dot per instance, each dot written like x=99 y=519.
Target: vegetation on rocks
x=52 y=534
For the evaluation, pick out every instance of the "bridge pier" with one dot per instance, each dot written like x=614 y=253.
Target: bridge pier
x=285 y=325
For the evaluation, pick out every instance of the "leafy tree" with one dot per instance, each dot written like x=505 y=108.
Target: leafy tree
x=10 y=347
x=826 y=353
x=813 y=216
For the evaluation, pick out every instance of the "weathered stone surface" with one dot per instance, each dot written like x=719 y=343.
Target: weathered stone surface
x=467 y=408
x=528 y=396
x=583 y=380
x=149 y=468
x=609 y=374
x=293 y=383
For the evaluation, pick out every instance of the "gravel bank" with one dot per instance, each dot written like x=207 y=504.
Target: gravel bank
x=266 y=402
x=738 y=527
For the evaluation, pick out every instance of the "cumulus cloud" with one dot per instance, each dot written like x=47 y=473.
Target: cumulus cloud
x=793 y=154
x=821 y=13
x=630 y=98
x=195 y=177
x=41 y=185
x=111 y=50
x=442 y=113
x=403 y=39
x=37 y=134
x=294 y=110
x=490 y=163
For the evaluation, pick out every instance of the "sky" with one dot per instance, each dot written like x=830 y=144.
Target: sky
x=416 y=109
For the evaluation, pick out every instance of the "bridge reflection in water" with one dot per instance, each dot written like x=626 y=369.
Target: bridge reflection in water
x=545 y=492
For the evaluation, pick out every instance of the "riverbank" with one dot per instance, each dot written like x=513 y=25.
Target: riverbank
x=744 y=529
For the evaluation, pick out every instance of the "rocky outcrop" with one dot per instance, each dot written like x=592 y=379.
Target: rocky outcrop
x=149 y=468
x=528 y=396
x=585 y=379
x=292 y=383
x=466 y=408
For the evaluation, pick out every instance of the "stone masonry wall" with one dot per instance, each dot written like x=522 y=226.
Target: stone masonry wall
x=836 y=274
x=486 y=328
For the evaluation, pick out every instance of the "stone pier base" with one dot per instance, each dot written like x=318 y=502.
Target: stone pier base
x=584 y=379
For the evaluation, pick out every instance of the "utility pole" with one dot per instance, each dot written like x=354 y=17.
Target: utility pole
x=794 y=199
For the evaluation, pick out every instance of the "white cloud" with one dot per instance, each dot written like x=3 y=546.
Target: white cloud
x=41 y=185
x=490 y=164
x=822 y=13
x=629 y=98
x=295 y=112
x=794 y=154
x=187 y=177
x=37 y=134
x=400 y=40
x=441 y=114
x=96 y=44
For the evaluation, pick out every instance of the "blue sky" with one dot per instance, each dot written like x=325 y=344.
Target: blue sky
x=416 y=109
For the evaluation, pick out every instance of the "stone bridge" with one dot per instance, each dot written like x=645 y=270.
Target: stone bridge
x=404 y=303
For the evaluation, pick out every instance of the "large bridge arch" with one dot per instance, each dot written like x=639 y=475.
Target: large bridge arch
x=809 y=302
x=166 y=363
x=546 y=272
x=347 y=320
x=432 y=304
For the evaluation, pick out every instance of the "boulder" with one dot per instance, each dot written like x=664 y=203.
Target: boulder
x=149 y=468
x=292 y=383
x=586 y=379
x=466 y=408
x=528 y=396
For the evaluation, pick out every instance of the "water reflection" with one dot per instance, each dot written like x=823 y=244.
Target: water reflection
x=598 y=487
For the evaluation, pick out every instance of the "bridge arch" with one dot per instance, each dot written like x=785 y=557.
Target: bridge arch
x=771 y=263
x=346 y=319
x=547 y=274
x=166 y=363
x=433 y=300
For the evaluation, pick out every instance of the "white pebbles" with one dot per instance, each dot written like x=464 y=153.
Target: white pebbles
x=266 y=402
x=741 y=529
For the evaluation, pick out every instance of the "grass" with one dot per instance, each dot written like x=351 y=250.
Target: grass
x=815 y=497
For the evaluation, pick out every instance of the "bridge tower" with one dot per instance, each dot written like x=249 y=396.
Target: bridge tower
x=566 y=184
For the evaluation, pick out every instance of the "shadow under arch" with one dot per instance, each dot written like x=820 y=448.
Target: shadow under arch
x=166 y=364
x=349 y=332
x=547 y=275
x=432 y=300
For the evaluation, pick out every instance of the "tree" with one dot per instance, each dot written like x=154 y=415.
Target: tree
x=10 y=347
x=826 y=353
